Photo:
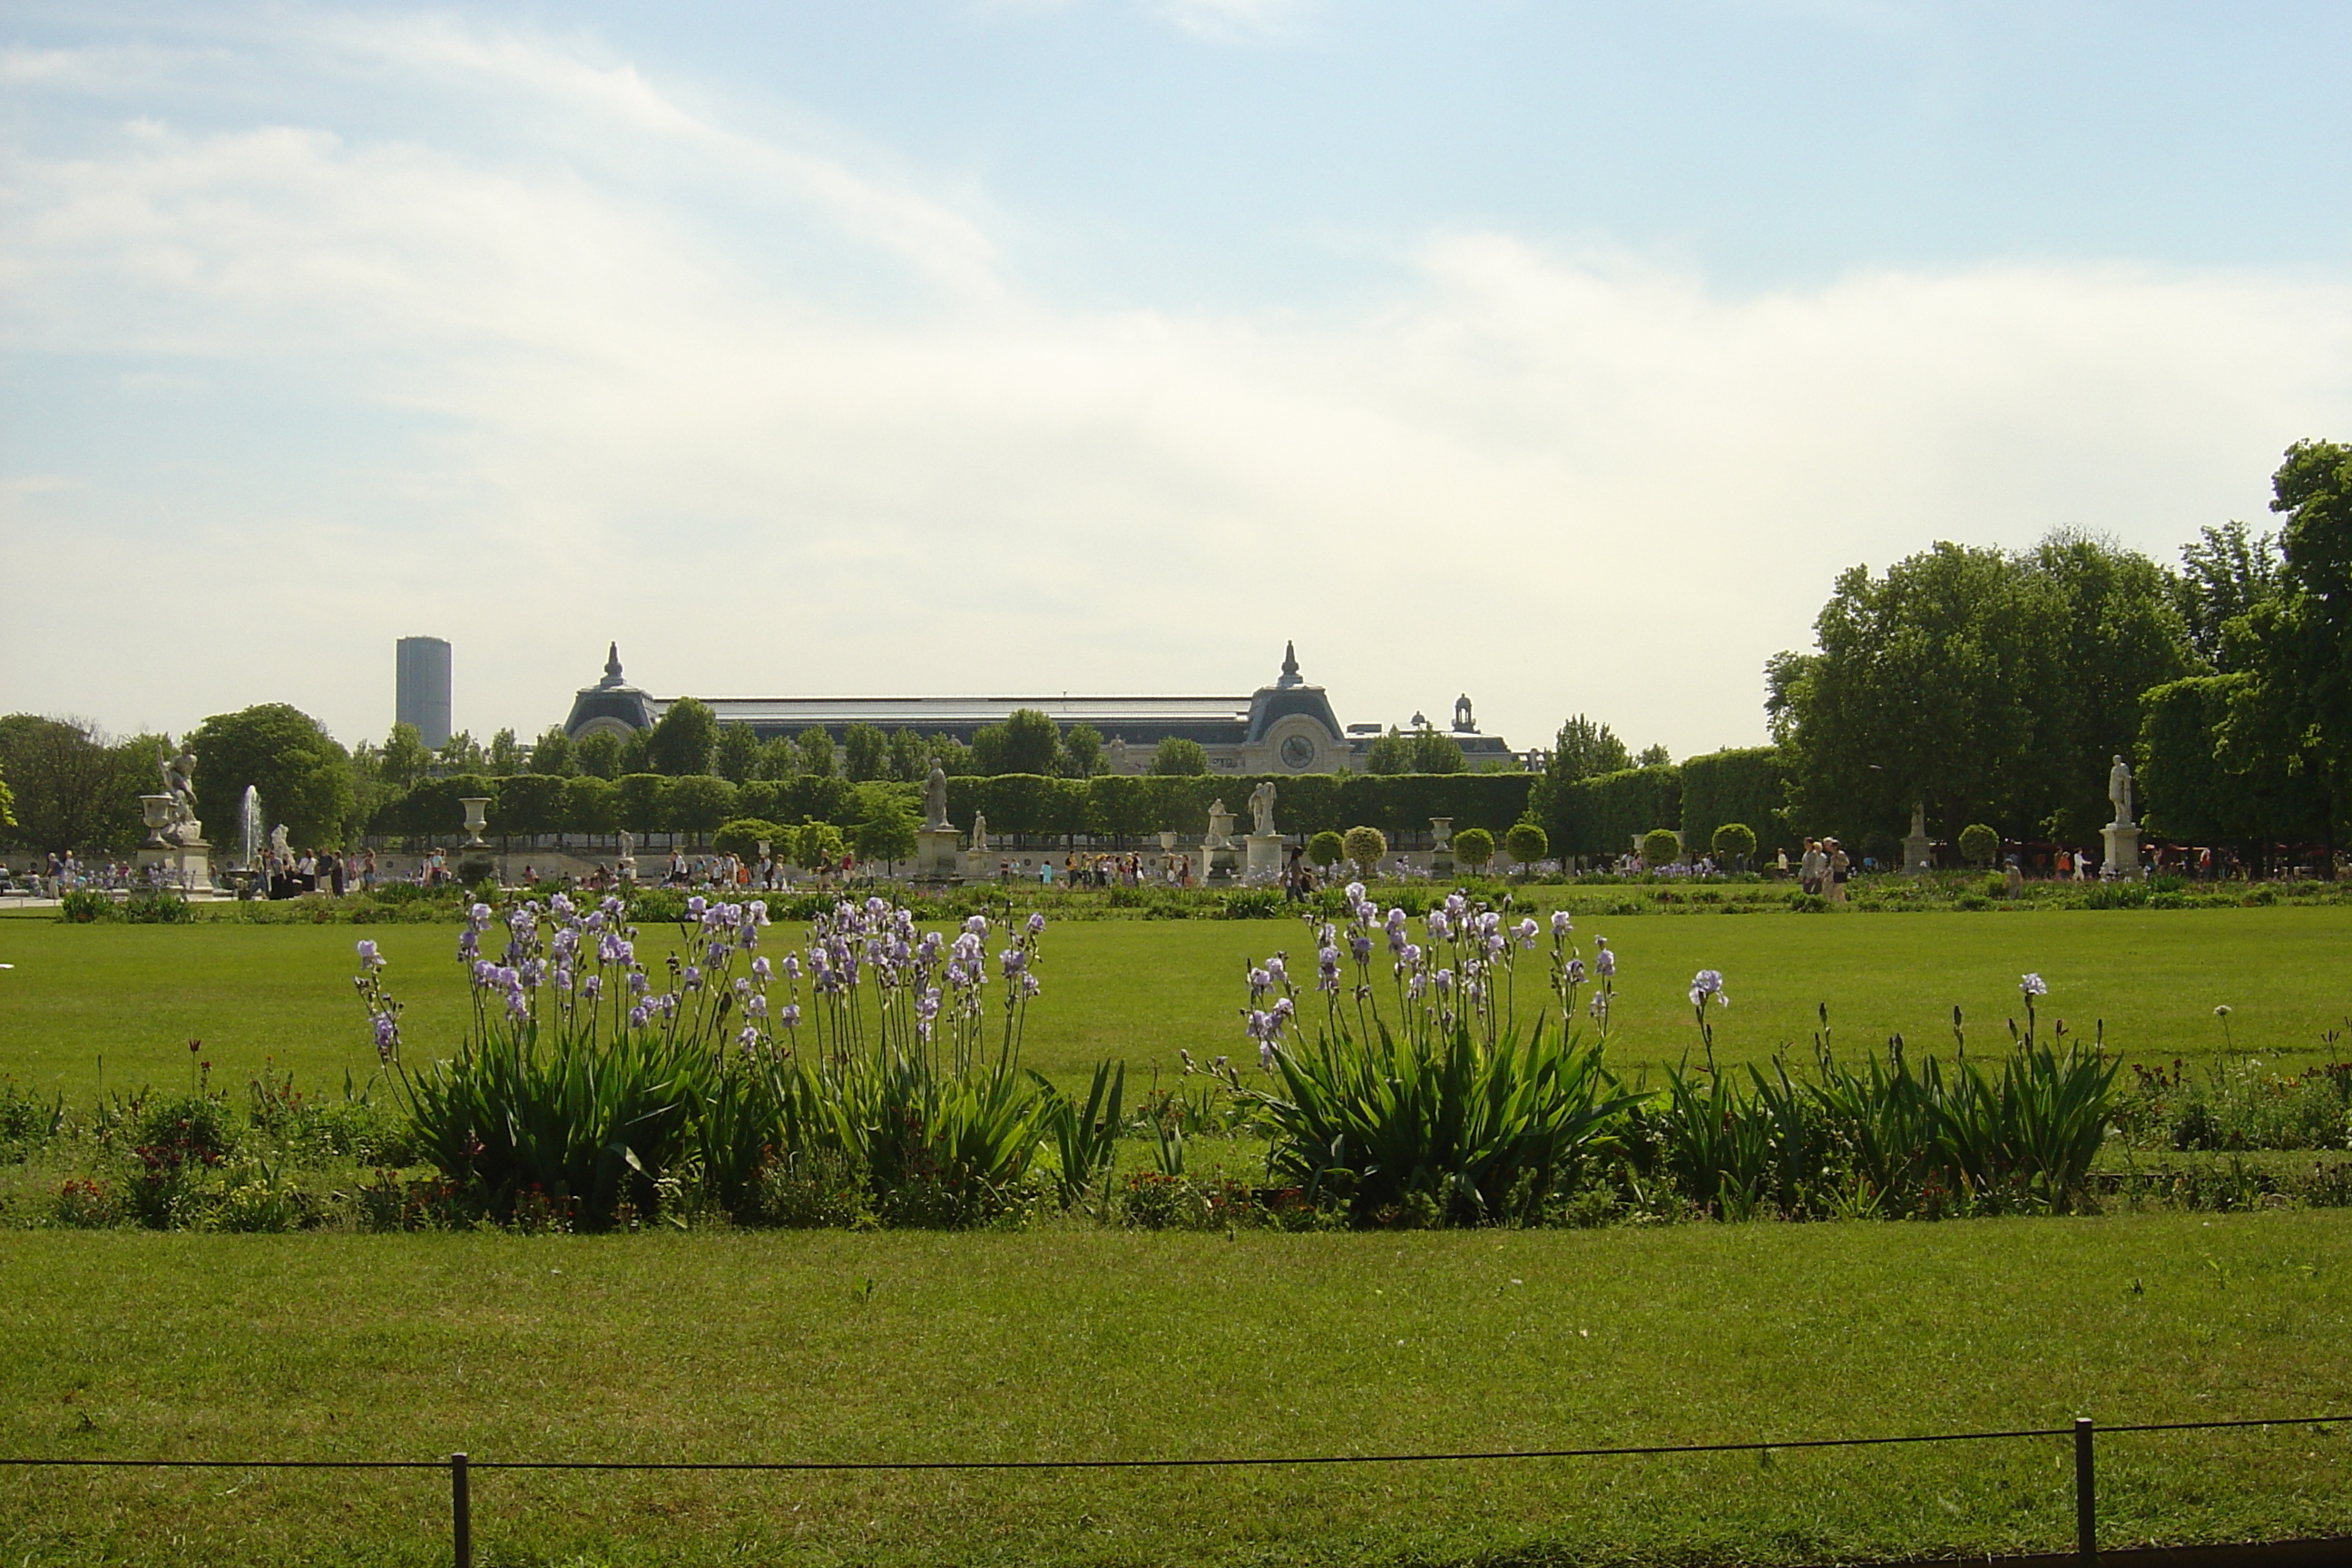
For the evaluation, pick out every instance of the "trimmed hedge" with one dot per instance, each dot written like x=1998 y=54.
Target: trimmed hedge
x=1122 y=805
x=1745 y=786
x=1604 y=815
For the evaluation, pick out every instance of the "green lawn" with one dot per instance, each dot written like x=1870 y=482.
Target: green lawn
x=1084 y=1343
x=1139 y=990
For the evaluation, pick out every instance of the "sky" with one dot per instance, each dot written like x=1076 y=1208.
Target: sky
x=1557 y=354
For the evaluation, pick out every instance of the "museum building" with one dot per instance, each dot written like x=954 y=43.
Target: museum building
x=1288 y=727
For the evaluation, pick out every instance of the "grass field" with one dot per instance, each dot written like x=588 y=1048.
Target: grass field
x=1096 y=1344
x=1138 y=991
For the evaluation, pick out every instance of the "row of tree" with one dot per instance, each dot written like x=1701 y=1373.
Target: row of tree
x=1995 y=686
x=1108 y=805
x=1987 y=685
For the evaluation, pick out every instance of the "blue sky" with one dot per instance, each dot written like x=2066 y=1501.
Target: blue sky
x=1556 y=354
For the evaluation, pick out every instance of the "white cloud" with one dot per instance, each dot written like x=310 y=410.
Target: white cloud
x=1234 y=21
x=591 y=406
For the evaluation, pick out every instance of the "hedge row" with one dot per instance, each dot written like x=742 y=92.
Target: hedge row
x=1747 y=787
x=1604 y=815
x=1113 y=805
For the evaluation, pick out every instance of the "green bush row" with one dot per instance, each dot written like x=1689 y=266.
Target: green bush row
x=1604 y=813
x=1127 y=806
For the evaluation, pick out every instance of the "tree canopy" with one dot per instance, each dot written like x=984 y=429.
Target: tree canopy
x=1986 y=683
x=74 y=788
x=303 y=776
x=1176 y=755
x=682 y=741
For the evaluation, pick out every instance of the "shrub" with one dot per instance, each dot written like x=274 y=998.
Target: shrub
x=744 y=836
x=1528 y=843
x=85 y=1202
x=1979 y=843
x=87 y=906
x=1733 y=843
x=158 y=907
x=1367 y=847
x=1660 y=848
x=1325 y=849
x=1475 y=847
x=1252 y=904
x=815 y=846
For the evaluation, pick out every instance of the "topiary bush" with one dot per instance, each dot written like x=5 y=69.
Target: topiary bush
x=1734 y=842
x=1526 y=843
x=1475 y=847
x=1661 y=847
x=1327 y=849
x=1979 y=843
x=1367 y=846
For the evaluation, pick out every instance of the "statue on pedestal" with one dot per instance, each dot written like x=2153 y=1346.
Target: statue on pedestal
x=1261 y=805
x=180 y=785
x=2120 y=791
x=935 y=800
x=1221 y=827
x=980 y=830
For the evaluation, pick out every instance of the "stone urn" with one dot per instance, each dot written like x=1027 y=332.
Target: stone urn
x=155 y=811
x=1168 y=843
x=475 y=820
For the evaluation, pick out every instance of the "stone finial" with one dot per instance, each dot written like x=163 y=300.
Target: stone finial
x=1290 y=676
x=612 y=665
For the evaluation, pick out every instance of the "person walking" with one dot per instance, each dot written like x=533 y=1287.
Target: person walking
x=1839 y=869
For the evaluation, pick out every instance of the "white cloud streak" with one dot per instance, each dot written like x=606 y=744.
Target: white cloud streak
x=604 y=407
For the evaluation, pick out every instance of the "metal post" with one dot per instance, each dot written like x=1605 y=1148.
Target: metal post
x=461 y=1512
x=2086 y=1496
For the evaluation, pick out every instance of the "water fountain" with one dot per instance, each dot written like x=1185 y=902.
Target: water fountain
x=246 y=875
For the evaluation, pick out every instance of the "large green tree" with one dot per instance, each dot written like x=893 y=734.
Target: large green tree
x=1989 y=685
x=304 y=777
x=1082 y=752
x=1176 y=757
x=1028 y=742
x=404 y=758
x=552 y=753
x=1584 y=749
x=865 y=753
x=683 y=739
x=74 y=788
x=2307 y=652
x=736 y=757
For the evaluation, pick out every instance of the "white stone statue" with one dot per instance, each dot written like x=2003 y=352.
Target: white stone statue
x=1221 y=827
x=2120 y=791
x=278 y=843
x=628 y=845
x=180 y=783
x=935 y=800
x=980 y=830
x=1261 y=803
x=1919 y=820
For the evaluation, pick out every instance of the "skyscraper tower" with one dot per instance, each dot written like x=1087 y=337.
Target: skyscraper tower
x=423 y=698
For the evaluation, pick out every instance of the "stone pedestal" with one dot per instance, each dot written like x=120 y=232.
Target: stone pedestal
x=939 y=855
x=185 y=866
x=1441 y=847
x=1918 y=854
x=980 y=865
x=1218 y=863
x=1264 y=863
x=2122 y=851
